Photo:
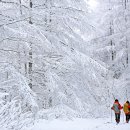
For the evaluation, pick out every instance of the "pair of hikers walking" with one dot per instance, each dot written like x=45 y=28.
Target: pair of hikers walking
x=117 y=109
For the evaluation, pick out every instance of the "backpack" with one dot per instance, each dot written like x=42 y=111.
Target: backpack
x=125 y=108
x=116 y=108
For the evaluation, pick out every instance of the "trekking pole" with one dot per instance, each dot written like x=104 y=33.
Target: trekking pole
x=123 y=117
x=111 y=115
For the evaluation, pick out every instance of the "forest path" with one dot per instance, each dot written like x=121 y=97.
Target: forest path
x=80 y=124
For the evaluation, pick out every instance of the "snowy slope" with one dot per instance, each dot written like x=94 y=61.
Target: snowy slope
x=80 y=124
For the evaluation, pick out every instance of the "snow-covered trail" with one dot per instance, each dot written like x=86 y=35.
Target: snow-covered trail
x=79 y=124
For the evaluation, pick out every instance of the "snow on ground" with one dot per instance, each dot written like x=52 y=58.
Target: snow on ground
x=79 y=124
x=1 y=128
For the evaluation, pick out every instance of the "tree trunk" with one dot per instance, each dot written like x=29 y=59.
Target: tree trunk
x=30 y=5
x=127 y=53
x=20 y=7
x=111 y=30
x=30 y=64
x=19 y=58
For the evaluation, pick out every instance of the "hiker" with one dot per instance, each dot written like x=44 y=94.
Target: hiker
x=117 y=107
x=126 y=109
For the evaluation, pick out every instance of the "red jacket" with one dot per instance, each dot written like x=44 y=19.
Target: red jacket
x=119 y=107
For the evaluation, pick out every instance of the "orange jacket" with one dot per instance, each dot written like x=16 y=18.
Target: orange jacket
x=126 y=108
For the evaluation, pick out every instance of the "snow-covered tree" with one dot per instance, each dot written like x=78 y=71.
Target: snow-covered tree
x=63 y=56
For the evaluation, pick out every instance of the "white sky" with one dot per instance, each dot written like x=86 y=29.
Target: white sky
x=93 y=4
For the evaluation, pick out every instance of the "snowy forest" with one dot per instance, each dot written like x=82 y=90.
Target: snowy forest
x=62 y=59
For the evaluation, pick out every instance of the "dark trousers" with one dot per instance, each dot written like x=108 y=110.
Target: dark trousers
x=127 y=117
x=117 y=117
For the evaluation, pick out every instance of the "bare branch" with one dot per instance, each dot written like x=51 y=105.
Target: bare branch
x=8 y=50
x=14 y=22
x=7 y=2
